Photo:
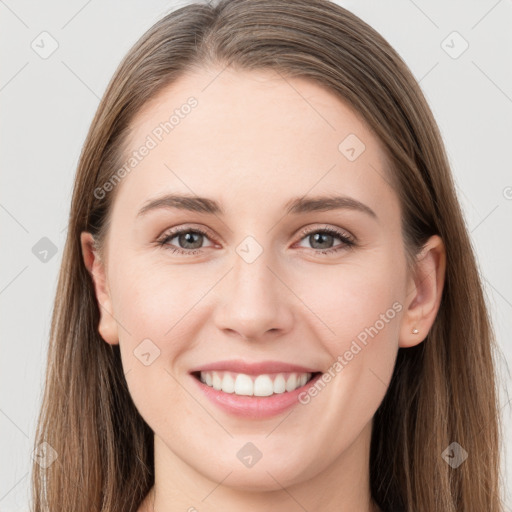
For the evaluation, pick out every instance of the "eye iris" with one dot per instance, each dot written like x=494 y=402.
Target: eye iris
x=187 y=238
x=322 y=236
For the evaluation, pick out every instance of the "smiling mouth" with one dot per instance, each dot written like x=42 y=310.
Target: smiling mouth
x=254 y=385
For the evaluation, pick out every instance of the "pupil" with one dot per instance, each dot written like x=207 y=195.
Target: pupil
x=188 y=238
x=318 y=236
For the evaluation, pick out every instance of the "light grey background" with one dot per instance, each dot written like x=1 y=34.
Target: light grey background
x=47 y=105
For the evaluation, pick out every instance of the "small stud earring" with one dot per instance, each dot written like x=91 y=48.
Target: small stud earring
x=415 y=331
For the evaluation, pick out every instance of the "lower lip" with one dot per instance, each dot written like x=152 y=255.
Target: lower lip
x=254 y=406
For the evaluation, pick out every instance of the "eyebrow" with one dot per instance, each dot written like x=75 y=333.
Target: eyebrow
x=297 y=205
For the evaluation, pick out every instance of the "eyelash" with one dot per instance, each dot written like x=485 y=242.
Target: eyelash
x=348 y=243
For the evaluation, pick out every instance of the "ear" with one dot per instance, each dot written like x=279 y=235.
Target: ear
x=424 y=292
x=96 y=267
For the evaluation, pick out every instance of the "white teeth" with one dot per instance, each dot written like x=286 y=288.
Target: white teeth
x=228 y=384
x=216 y=381
x=243 y=385
x=279 y=384
x=261 y=385
x=291 y=383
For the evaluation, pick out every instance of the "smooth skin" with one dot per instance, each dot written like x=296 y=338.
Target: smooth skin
x=255 y=141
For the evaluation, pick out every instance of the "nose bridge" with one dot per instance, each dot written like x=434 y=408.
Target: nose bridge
x=251 y=276
x=254 y=299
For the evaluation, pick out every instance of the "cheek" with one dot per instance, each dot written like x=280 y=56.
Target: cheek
x=153 y=298
x=366 y=320
x=152 y=303
x=361 y=305
x=355 y=301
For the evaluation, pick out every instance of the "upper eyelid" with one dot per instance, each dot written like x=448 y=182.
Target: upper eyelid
x=334 y=230
x=177 y=230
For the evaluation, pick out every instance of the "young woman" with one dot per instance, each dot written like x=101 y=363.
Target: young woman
x=268 y=298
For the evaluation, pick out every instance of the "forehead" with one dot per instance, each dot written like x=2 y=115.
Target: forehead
x=257 y=135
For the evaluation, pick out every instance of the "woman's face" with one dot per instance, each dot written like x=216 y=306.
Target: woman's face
x=256 y=156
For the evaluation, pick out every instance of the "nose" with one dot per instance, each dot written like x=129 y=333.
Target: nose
x=255 y=301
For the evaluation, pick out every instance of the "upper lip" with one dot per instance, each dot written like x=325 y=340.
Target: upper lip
x=259 y=368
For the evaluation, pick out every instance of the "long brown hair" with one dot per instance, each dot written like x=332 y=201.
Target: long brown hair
x=442 y=391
